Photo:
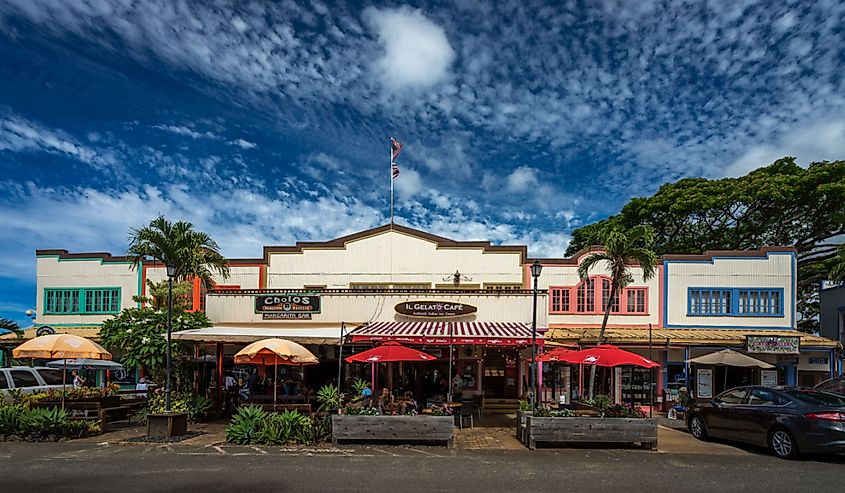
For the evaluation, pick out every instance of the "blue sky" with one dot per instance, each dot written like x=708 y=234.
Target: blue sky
x=267 y=122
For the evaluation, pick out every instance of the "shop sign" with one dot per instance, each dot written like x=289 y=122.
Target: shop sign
x=434 y=309
x=768 y=378
x=772 y=344
x=704 y=384
x=286 y=316
x=287 y=303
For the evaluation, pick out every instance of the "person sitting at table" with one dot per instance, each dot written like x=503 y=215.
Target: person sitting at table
x=385 y=400
x=407 y=404
x=251 y=385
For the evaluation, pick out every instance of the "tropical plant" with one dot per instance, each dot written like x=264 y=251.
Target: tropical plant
x=330 y=398
x=245 y=425
x=138 y=334
x=197 y=407
x=359 y=385
x=10 y=325
x=621 y=249
x=193 y=253
x=10 y=417
x=524 y=405
x=157 y=293
x=41 y=424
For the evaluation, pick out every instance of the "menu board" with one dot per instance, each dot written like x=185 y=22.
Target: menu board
x=704 y=384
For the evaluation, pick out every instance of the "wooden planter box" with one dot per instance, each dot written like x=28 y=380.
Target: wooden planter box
x=522 y=426
x=167 y=425
x=393 y=428
x=592 y=430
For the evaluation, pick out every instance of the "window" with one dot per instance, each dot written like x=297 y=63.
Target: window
x=54 y=377
x=81 y=300
x=735 y=301
x=605 y=295
x=560 y=300
x=765 y=397
x=636 y=300
x=24 y=378
x=3 y=383
x=732 y=396
x=586 y=296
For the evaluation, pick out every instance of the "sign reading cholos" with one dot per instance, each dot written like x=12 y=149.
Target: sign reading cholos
x=434 y=309
x=287 y=303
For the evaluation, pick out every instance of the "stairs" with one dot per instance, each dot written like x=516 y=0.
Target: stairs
x=494 y=405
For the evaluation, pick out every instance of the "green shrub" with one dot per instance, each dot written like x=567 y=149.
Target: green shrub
x=329 y=398
x=10 y=417
x=544 y=412
x=245 y=425
x=41 y=424
x=196 y=406
x=359 y=385
x=524 y=406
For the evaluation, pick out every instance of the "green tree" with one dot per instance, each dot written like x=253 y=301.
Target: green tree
x=837 y=270
x=622 y=248
x=192 y=253
x=157 y=298
x=139 y=334
x=780 y=204
x=10 y=325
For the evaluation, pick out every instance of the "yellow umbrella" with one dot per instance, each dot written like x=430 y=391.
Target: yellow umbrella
x=61 y=346
x=275 y=352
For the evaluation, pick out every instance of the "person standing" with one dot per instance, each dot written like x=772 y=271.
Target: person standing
x=78 y=381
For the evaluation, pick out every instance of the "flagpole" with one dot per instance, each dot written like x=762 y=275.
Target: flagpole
x=390 y=174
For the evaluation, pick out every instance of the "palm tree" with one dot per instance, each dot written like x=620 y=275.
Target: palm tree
x=621 y=250
x=193 y=253
x=10 y=325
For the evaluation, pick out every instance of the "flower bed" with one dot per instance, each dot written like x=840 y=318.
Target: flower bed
x=427 y=428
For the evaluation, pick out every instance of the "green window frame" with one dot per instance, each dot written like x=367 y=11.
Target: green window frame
x=82 y=301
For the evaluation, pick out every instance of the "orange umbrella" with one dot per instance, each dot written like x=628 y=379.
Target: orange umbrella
x=61 y=346
x=275 y=352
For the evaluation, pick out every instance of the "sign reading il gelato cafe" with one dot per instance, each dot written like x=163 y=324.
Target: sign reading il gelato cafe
x=772 y=344
x=434 y=309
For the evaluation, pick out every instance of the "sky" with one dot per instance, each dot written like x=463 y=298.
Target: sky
x=267 y=123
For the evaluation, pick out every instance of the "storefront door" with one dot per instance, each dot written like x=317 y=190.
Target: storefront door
x=500 y=373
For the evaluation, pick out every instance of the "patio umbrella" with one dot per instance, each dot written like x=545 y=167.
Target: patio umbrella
x=554 y=355
x=606 y=355
x=275 y=352
x=728 y=357
x=62 y=346
x=76 y=363
x=387 y=352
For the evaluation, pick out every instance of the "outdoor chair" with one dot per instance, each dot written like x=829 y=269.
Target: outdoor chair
x=467 y=411
x=478 y=402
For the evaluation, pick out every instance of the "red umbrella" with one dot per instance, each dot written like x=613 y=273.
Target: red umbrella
x=606 y=355
x=553 y=356
x=389 y=351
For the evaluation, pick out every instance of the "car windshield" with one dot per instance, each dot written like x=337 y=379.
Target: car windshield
x=817 y=397
x=836 y=385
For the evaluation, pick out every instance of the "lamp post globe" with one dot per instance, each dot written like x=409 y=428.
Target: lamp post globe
x=536 y=269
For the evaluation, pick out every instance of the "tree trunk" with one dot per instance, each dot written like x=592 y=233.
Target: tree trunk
x=607 y=307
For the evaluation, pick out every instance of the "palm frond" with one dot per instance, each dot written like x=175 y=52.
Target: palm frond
x=11 y=326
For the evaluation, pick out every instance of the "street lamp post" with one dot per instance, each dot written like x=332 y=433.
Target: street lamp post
x=171 y=273
x=536 y=268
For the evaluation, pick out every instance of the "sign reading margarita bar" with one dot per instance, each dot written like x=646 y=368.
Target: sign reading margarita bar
x=434 y=309
x=772 y=344
x=287 y=306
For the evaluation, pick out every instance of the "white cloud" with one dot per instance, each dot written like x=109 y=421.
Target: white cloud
x=416 y=50
x=20 y=135
x=522 y=179
x=819 y=141
x=243 y=144
x=408 y=183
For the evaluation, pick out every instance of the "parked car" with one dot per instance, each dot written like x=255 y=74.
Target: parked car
x=835 y=385
x=788 y=420
x=30 y=379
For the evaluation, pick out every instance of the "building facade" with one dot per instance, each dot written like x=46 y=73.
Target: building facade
x=398 y=283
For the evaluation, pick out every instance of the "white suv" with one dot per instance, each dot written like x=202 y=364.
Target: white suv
x=30 y=379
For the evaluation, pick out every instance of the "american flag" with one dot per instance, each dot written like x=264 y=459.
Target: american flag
x=395 y=149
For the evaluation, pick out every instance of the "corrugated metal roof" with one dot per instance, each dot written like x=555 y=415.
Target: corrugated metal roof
x=701 y=336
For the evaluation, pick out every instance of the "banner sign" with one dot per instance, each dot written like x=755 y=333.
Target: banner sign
x=287 y=303
x=286 y=316
x=772 y=344
x=434 y=309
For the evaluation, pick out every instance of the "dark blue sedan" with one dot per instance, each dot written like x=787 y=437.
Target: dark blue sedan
x=788 y=420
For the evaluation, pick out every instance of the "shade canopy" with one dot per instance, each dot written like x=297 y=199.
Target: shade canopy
x=606 y=355
x=78 y=363
x=389 y=351
x=60 y=346
x=727 y=357
x=275 y=352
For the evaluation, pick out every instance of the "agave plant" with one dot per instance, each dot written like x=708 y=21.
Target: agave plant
x=329 y=398
x=246 y=424
x=40 y=424
x=10 y=417
x=359 y=385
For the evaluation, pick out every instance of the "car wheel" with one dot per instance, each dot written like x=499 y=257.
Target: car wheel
x=697 y=428
x=782 y=444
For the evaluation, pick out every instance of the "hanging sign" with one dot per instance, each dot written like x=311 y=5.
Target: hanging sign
x=772 y=344
x=287 y=303
x=434 y=309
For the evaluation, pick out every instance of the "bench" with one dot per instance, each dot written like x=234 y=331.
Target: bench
x=91 y=411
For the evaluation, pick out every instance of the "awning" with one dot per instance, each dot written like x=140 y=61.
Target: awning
x=222 y=333
x=682 y=337
x=444 y=333
x=726 y=357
